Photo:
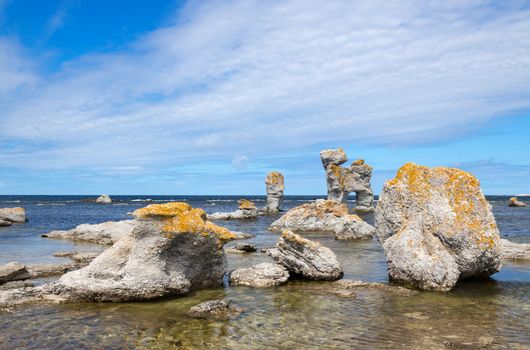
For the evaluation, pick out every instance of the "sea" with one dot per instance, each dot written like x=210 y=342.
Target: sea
x=493 y=313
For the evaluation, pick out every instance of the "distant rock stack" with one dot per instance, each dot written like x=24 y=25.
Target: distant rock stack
x=515 y=202
x=342 y=181
x=104 y=199
x=275 y=186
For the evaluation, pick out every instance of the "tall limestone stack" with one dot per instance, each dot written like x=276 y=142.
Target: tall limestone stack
x=436 y=227
x=275 y=186
x=342 y=181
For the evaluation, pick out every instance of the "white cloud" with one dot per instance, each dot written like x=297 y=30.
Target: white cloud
x=240 y=162
x=262 y=77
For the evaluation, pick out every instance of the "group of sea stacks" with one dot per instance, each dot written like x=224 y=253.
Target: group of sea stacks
x=434 y=224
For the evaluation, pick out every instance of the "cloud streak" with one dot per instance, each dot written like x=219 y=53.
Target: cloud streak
x=233 y=77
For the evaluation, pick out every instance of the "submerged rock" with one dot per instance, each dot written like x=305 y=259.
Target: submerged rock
x=358 y=285
x=324 y=216
x=13 y=271
x=105 y=233
x=306 y=258
x=246 y=210
x=514 y=202
x=221 y=309
x=242 y=248
x=436 y=227
x=260 y=276
x=515 y=251
x=104 y=199
x=275 y=186
x=342 y=181
x=172 y=250
x=11 y=215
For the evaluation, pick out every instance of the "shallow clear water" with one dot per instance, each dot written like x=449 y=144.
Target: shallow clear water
x=493 y=313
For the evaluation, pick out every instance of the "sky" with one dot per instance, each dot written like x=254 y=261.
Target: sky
x=206 y=97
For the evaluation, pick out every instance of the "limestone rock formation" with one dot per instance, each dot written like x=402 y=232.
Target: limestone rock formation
x=105 y=233
x=515 y=202
x=215 y=309
x=13 y=271
x=324 y=216
x=306 y=258
x=13 y=215
x=260 y=276
x=436 y=227
x=342 y=181
x=5 y=223
x=275 y=186
x=242 y=248
x=246 y=210
x=104 y=199
x=78 y=257
x=515 y=251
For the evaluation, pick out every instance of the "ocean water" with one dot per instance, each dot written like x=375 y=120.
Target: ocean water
x=494 y=313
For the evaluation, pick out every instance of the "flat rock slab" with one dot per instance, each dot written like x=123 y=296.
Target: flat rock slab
x=260 y=276
x=221 y=309
x=105 y=233
x=515 y=251
x=78 y=257
x=13 y=271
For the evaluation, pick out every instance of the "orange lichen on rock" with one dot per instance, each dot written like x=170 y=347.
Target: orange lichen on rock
x=358 y=162
x=246 y=204
x=295 y=238
x=179 y=217
x=274 y=178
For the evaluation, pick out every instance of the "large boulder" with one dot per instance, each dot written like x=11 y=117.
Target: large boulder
x=104 y=199
x=324 y=216
x=436 y=227
x=246 y=210
x=515 y=251
x=172 y=250
x=515 y=202
x=342 y=181
x=306 y=258
x=13 y=214
x=260 y=275
x=105 y=233
x=275 y=185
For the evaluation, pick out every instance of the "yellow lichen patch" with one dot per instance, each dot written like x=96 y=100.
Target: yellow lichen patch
x=274 y=178
x=338 y=173
x=246 y=204
x=358 y=162
x=295 y=238
x=178 y=217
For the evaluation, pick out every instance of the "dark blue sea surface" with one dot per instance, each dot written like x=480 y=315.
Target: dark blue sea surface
x=493 y=313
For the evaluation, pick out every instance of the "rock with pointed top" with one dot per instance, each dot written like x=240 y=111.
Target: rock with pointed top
x=324 y=216
x=104 y=199
x=306 y=258
x=342 y=181
x=436 y=227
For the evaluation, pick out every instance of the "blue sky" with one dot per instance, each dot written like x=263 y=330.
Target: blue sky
x=206 y=97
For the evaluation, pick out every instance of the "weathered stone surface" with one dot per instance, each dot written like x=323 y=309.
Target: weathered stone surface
x=246 y=210
x=48 y=270
x=242 y=248
x=515 y=251
x=78 y=257
x=4 y=223
x=515 y=202
x=13 y=214
x=275 y=185
x=15 y=285
x=260 y=276
x=436 y=227
x=221 y=309
x=347 y=284
x=105 y=233
x=306 y=258
x=324 y=216
x=172 y=250
x=342 y=181
x=104 y=199
x=13 y=271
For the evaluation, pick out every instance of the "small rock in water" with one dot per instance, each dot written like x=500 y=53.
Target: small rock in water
x=515 y=202
x=306 y=258
x=11 y=215
x=215 y=309
x=243 y=248
x=246 y=210
x=260 y=275
x=104 y=199
x=13 y=271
